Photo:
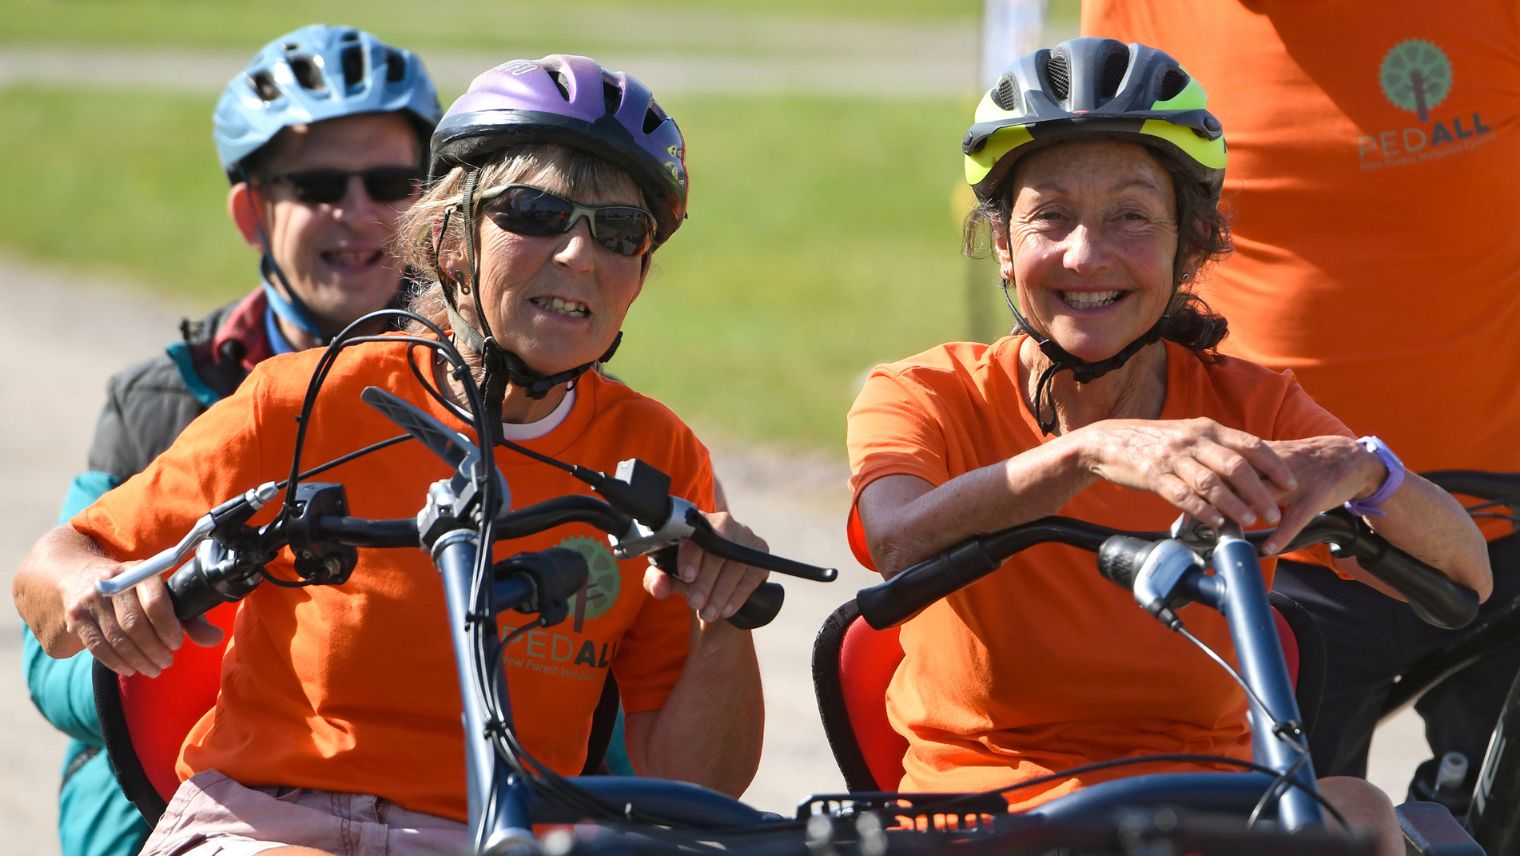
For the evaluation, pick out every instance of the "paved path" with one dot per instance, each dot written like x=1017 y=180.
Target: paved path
x=704 y=52
x=797 y=502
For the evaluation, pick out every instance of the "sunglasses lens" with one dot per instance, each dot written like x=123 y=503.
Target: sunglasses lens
x=390 y=184
x=530 y=211
x=328 y=186
x=318 y=186
x=622 y=229
x=625 y=231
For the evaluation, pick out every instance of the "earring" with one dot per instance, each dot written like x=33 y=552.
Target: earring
x=1187 y=277
x=460 y=283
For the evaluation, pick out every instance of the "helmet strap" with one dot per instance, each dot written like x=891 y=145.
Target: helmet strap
x=282 y=298
x=284 y=301
x=1081 y=370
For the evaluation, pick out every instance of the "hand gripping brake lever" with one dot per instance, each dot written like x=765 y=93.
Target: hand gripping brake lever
x=661 y=521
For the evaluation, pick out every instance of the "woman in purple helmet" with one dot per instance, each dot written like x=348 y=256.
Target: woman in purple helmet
x=337 y=726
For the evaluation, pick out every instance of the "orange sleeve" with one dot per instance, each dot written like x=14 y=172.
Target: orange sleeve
x=214 y=459
x=893 y=429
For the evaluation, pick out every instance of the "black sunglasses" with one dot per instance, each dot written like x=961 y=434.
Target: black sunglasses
x=326 y=186
x=624 y=229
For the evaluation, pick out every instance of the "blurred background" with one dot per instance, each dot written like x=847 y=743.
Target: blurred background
x=826 y=207
x=822 y=142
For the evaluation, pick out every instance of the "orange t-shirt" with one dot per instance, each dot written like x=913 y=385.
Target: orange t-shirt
x=1043 y=665
x=1375 y=197
x=353 y=688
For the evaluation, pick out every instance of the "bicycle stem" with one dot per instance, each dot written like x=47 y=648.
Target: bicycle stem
x=505 y=827
x=1243 y=600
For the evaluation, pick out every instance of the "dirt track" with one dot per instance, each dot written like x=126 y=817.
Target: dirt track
x=75 y=331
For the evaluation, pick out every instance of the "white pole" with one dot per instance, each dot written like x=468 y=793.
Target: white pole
x=1010 y=29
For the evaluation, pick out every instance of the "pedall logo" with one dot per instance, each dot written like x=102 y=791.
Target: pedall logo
x=574 y=653
x=602 y=585
x=1417 y=76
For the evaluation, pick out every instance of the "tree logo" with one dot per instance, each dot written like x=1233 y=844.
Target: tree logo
x=601 y=589
x=1415 y=76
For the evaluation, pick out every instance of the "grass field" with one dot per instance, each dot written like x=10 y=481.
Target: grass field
x=823 y=236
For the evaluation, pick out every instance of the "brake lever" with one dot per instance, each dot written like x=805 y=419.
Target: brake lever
x=455 y=449
x=234 y=512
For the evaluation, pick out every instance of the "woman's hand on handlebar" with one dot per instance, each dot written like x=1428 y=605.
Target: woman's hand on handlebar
x=1207 y=470
x=1330 y=470
x=136 y=631
x=715 y=587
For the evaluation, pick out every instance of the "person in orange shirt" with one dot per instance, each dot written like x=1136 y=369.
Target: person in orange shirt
x=1098 y=168
x=338 y=718
x=1375 y=196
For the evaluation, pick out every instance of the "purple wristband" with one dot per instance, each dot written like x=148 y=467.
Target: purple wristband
x=1372 y=506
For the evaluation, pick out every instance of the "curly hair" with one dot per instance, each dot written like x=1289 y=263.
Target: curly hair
x=1203 y=238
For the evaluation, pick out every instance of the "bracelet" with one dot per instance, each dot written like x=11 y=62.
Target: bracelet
x=1372 y=506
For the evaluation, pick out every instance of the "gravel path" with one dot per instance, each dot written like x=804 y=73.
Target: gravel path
x=722 y=53
x=78 y=329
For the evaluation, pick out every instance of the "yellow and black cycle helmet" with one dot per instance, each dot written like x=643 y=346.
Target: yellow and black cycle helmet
x=1092 y=87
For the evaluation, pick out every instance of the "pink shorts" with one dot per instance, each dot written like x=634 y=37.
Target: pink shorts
x=212 y=815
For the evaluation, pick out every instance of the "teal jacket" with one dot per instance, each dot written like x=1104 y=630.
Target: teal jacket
x=147 y=405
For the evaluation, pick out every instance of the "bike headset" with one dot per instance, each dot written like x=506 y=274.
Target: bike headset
x=1083 y=89
x=565 y=100
x=309 y=75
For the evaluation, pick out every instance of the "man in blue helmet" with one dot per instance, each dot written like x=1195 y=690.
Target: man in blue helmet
x=323 y=138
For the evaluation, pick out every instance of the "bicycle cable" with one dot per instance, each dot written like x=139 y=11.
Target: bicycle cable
x=1283 y=731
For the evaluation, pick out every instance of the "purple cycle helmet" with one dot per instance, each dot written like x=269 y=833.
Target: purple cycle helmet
x=572 y=101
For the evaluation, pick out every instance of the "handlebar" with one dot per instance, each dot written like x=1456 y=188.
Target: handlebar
x=210 y=580
x=1498 y=487
x=1434 y=598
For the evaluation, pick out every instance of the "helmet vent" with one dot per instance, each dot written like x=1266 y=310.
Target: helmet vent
x=349 y=36
x=352 y=62
x=560 y=83
x=1174 y=82
x=306 y=73
x=611 y=95
x=395 y=67
x=1114 y=67
x=1004 y=95
x=653 y=117
x=263 y=84
x=1058 y=75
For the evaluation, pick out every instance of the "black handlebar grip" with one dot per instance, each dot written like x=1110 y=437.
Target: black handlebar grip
x=896 y=600
x=194 y=593
x=762 y=607
x=1434 y=598
x=1120 y=558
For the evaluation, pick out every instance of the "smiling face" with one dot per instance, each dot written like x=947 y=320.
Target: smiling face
x=1090 y=243
x=557 y=301
x=335 y=255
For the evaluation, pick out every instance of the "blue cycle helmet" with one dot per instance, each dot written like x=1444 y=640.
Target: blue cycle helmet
x=318 y=72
